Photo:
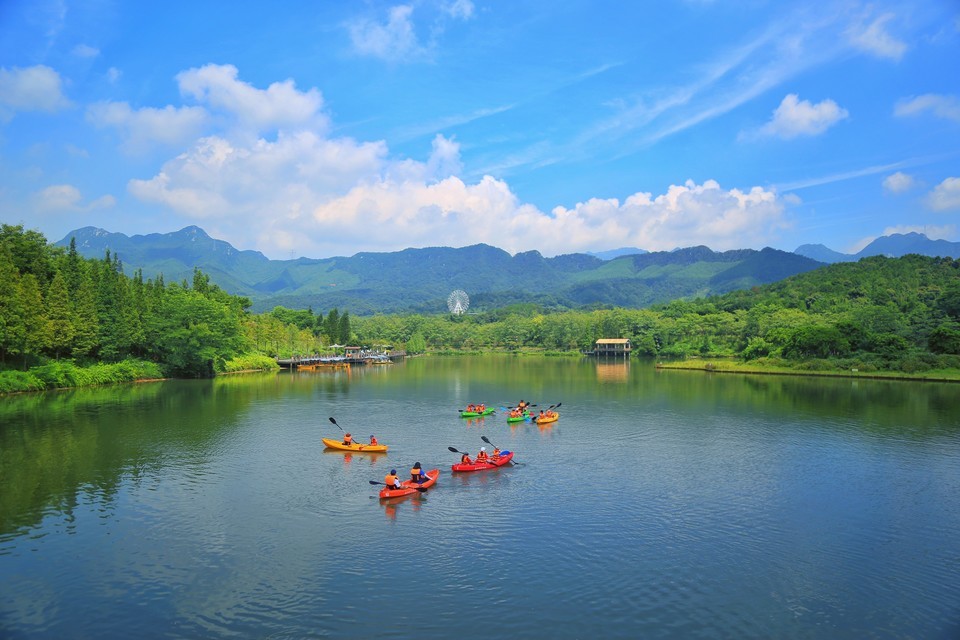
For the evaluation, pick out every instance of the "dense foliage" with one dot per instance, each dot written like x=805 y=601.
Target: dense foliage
x=61 y=313
x=876 y=314
x=56 y=305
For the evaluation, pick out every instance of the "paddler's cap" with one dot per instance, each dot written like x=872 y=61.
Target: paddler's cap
x=371 y=435
x=393 y=472
x=483 y=448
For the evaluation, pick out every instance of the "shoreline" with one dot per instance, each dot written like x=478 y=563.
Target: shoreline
x=729 y=367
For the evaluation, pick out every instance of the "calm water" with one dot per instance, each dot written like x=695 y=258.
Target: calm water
x=660 y=505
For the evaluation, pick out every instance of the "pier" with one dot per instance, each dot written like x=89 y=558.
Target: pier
x=352 y=356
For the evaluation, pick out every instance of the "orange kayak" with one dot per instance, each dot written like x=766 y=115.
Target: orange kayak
x=363 y=448
x=409 y=486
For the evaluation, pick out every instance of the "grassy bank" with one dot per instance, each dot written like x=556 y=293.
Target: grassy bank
x=64 y=374
x=807 y=368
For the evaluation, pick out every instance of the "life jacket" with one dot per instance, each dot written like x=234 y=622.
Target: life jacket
x=373 y=441
x=496 y=452
x=465 y=459
x=348 y=439
x=416 y=472
x=482 y=456
x=390 y=480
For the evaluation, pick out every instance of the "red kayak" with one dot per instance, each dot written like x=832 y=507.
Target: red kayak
x=505 y=457
x=409 y=486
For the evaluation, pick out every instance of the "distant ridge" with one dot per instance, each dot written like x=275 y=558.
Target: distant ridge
x=895 y=245
x=419 y=280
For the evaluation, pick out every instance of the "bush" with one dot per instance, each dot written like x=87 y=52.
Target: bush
x=252 y=362
x=16 y=381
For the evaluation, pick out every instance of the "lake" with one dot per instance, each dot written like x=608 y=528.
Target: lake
x=662 y=504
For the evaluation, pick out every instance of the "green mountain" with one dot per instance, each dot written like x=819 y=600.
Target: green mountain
x=419 y=280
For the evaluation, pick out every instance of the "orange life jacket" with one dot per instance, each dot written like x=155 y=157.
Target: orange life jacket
x=482 y=456
x=373 y=440
x=416 y=472
x=390 y=480
x=348 y=439
x=465 y=459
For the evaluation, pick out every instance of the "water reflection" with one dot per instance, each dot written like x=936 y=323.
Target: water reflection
x=686 y=505
x=613 y=372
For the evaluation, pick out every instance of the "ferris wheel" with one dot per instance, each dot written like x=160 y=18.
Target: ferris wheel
x=457 y=302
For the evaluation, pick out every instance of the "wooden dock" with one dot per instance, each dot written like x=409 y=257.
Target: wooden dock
x=355 y=357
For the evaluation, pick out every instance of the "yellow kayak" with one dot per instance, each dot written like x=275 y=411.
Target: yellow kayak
x=366 y=448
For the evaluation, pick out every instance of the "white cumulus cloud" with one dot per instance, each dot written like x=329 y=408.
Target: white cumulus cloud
x=278 y=106
x=899 y=182
x=140 y=128
x=945 y=196
x=795 y=117
x=37 y=88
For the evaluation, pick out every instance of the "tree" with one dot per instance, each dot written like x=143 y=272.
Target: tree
x=60 y=314
x=945 y=339
x=332 y=326
x=343 y=328
x=36 y=335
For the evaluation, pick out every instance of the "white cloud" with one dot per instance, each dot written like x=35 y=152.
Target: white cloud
x=452 y=213
x=899 y=182
x=278 y=106
x=795 y=117
x=141 y=128
x=85 y=51
x=67 y=198
x=36 y=88
x=394 y=41
x=942 y=106
x=113 y=74
x=461 y=9
x=945 y=196
x=874 y=39
x=258 y=183
x=945 y=232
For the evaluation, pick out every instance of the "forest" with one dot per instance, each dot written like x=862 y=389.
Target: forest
x=66 y=321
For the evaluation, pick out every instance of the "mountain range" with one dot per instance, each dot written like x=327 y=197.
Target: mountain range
x=419 y=280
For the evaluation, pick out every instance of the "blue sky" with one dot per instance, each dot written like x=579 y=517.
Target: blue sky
x=325 y=128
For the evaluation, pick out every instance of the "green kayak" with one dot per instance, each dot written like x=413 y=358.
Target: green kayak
x=476 y=414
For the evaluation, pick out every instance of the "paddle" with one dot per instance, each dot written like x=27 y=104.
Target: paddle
x=420 y=489
x=487 y=440
x=341 y=429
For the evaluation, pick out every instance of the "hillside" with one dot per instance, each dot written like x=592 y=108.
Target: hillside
x=419 y=280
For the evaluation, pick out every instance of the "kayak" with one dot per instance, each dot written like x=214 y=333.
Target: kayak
x=545 y=419
x=518 y=418
x=365 y=448
x=410 y=486
x=477 y=414
x=505 y=457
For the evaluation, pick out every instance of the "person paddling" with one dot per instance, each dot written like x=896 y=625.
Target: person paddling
x=392 y=480
x=482 y=456
x=373 y=440
x=347 y=439
x=465 y=459
x=416 y=474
